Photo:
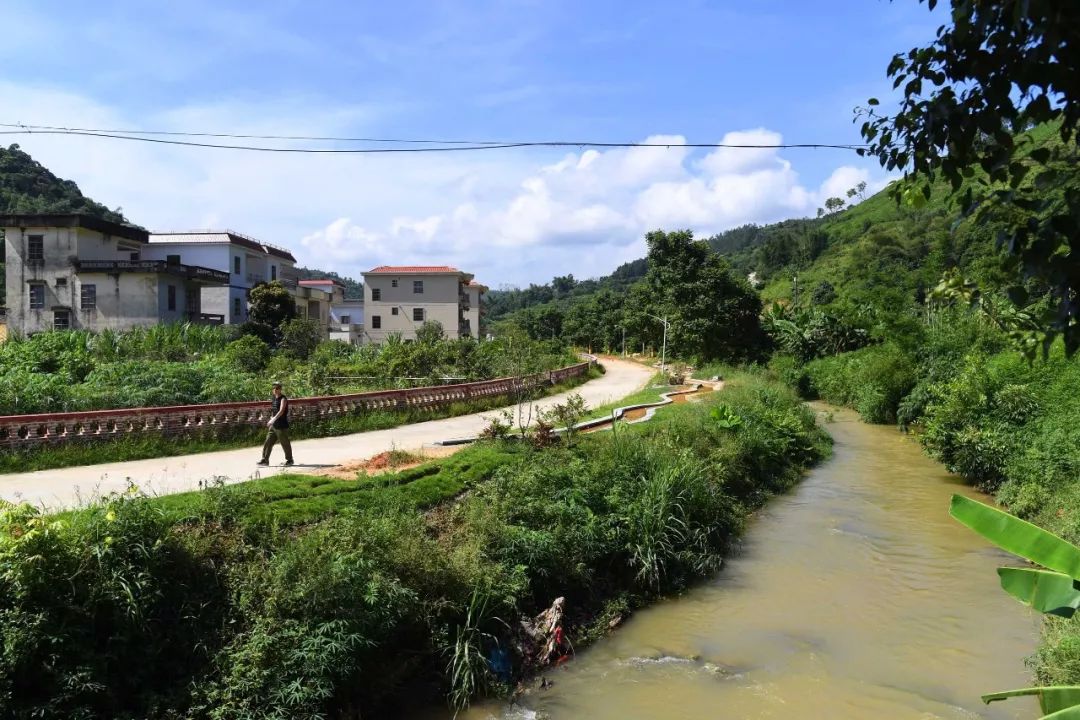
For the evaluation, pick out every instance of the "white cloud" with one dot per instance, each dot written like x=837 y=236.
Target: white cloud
x=508 y=216
x=842 y=179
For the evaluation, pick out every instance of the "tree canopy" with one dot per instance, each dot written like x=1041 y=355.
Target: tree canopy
x=997 y=71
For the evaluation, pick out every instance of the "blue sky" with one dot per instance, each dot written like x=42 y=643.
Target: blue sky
x=608 y=71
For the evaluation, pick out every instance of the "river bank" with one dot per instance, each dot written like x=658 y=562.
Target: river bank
x=852 y=596
x=296 y=596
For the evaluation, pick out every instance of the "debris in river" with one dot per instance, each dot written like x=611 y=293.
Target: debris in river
x=543 y=641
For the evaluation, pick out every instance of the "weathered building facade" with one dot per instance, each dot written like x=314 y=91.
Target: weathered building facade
x=67 y=271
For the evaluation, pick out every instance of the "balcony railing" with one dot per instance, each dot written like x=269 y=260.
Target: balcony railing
x=205 y=318
x=192 y=272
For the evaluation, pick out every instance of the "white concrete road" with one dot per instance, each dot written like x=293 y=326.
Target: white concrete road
x=67 y=487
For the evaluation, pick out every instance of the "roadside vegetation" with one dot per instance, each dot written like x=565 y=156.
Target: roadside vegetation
x=71 y=370
x=314 y=597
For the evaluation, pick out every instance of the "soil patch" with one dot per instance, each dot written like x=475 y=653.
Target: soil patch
x=386 y=462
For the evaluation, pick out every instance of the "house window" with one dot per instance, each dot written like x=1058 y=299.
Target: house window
x=376 y=294
x=236 y=265
x=418 y=314
x=346 y=319
x=191 y=300
x=61 y=320
x=172 y=259
x=273 y=273
x=134 y=257
x=236 y=309
x=393 y=283
x=376 y=322
x=61 y=283
x=37 y=296
x=172 y=297
x=393 y=310
x=418 y=287
x=88 y=300
x=35 y=248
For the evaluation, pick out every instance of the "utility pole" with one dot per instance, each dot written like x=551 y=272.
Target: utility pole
x=663 y=352
x=624 y=341
x=795 y=282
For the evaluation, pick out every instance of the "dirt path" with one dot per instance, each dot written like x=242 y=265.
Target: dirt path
x=68 y=486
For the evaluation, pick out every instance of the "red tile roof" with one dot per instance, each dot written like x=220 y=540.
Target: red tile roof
x=324 y=281
x=414 y=269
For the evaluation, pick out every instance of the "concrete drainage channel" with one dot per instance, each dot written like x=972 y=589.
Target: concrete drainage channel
x=604 y=423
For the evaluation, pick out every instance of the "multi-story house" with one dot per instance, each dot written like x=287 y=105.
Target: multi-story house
x=76 y=271
x=247 y=262
x=399 y=299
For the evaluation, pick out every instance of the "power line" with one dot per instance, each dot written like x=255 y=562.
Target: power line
x=430 y=145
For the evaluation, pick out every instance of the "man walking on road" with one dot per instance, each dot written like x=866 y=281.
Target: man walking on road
x=278 y=427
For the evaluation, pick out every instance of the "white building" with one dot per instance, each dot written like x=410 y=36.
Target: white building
x=67 y=271
x=347 y=320
x=247 y=262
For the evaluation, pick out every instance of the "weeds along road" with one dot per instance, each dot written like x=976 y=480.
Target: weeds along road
x=67 y=487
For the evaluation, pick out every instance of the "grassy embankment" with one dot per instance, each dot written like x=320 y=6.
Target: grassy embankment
x=310 y=597
x=219 y=438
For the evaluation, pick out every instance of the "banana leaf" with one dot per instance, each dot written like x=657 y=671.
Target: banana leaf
x=1052 y=700
x=1017 y=536
x=1045 y=591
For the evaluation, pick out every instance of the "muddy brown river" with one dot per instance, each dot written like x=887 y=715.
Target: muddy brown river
x=853 y=597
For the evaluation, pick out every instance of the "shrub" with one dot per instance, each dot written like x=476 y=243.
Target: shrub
x=872 y=380
x=248 y=354
x=299 y=338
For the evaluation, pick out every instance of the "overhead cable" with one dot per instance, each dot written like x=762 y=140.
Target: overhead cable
x=161 y=137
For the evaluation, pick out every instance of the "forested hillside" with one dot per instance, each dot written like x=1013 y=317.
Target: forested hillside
x=27 y=186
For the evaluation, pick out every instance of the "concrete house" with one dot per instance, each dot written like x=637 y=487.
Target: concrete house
x=399 y=299
x=76 y=271
x=245 y=260
x=347 y=320
x=314 y=299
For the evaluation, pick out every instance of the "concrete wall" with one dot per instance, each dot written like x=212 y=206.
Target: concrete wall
x=353 y=309
x=473 y=313
x=56 y=273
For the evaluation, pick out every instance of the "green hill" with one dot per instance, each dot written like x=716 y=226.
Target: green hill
x=27 y=186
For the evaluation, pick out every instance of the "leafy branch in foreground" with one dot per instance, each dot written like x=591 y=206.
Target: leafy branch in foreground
x=971 y=101
x=1054 y=591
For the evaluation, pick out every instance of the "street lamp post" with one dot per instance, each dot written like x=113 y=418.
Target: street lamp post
x=663 y=352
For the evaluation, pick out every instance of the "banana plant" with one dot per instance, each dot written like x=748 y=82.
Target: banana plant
x=1053 y=589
